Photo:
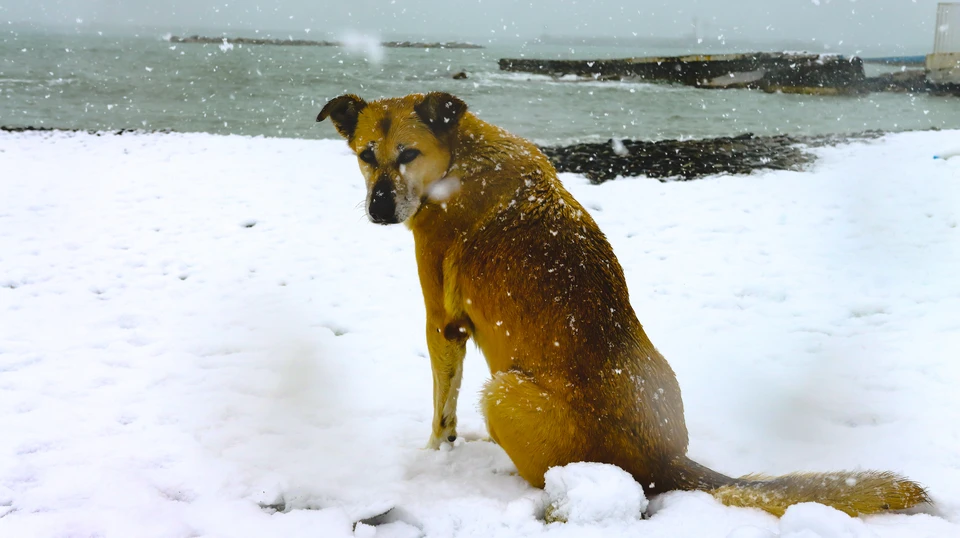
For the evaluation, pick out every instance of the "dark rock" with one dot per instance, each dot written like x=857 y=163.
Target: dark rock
x=690 y=159
x=912 y=81
x=945 y=89
x=31 y=128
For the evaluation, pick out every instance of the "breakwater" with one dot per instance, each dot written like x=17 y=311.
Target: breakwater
x=772 y=71
x=314 y=43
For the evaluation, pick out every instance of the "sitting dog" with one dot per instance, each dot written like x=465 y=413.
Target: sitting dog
x=508 y=257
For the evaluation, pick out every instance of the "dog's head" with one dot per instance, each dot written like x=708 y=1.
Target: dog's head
x=403 y=146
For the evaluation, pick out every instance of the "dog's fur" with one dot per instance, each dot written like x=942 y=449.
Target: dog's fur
x=511 y=260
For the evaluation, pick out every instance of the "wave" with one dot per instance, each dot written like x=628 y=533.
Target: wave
x=519 y=79
x=39 y=82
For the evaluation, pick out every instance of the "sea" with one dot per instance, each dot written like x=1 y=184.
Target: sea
x=112 y=81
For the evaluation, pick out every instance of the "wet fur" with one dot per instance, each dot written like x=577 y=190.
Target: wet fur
x=513 y=261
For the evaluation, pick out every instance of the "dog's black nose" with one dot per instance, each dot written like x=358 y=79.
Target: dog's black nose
x=383 y=203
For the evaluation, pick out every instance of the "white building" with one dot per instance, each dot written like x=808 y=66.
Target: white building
x=943 y=66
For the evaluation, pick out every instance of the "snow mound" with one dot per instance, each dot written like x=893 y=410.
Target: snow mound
x=397 y=529
x=592 y=493
x=812 y=520
x=750 y=531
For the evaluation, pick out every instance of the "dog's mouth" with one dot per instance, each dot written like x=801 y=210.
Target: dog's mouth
x=384 y=206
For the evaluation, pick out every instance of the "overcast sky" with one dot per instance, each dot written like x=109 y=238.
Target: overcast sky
x=889 y=23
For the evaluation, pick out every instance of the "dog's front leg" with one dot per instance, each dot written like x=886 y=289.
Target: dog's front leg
x=447 y=344
x=448 y=329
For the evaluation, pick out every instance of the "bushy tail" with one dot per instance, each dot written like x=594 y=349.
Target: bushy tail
x=855 y=493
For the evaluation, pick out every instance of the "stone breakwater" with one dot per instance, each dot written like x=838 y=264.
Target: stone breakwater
x=773 y=71
x=312 y=43
x=666 y=160
x=786 y=72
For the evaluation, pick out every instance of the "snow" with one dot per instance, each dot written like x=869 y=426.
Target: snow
x=442 y=189
x=592 y=493
x=811 y=520
x=618 y=147
x=365 y=45
x=204 y=336
x=948 y=154
x=750 y=531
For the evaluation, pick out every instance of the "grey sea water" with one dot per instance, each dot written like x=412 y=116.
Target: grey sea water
x=91 y=81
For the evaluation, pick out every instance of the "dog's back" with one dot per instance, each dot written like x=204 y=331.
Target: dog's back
x=547 y=298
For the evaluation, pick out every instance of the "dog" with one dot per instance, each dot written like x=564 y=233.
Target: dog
x=507 y=257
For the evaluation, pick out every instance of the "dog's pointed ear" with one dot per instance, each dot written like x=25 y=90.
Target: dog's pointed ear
x=440 y=111
x=343 y=111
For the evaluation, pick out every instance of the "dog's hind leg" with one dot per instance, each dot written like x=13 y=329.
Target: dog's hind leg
x=535 y=428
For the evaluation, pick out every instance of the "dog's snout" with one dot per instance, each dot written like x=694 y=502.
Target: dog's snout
x=383 y=203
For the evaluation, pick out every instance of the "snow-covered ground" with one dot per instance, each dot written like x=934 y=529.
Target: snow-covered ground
x=194 y=326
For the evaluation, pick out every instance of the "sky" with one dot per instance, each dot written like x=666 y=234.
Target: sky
x=834 y=22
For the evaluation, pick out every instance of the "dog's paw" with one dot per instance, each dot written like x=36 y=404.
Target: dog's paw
x=436 y=441
x=444 y=431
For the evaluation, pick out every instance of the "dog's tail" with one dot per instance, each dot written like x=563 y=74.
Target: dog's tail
x=852 y=492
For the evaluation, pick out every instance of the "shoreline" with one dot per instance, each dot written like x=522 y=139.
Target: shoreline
x=663 y=160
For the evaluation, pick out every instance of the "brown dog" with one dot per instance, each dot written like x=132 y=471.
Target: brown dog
x=508 y=257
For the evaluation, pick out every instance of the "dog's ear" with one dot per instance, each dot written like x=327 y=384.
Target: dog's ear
x=440 y=111
x=343 y=111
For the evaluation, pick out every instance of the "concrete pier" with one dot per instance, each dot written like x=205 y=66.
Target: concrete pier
x=943 y=68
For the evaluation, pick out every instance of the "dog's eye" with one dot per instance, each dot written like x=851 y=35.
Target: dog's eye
x=368 y=157
x=408 y=155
